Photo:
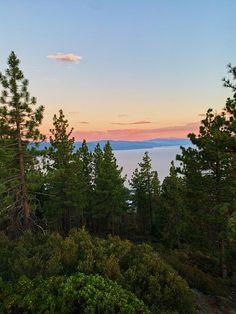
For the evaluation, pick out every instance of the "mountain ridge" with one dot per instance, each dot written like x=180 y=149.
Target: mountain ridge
x=129 y=145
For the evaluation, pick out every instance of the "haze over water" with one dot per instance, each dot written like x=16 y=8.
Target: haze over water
x=161 y=158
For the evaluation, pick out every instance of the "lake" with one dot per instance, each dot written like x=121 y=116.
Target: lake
x=161 y=158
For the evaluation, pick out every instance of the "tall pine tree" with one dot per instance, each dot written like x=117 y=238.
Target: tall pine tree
x=110 y=194
x=172 y=214
x=19 y=122
x=214 y=179
x=145 y=186
x=85 y=184
x=60 y=184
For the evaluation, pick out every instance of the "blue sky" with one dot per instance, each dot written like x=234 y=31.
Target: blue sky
x=150 y=61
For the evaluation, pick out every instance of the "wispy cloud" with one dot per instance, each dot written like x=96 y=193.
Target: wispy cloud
x=69 y=57
x=131 y=123
x=201 y=114
x=178 y=131
x=119 y=123
x=141 y=122
x=83 y=122
x=122 y=115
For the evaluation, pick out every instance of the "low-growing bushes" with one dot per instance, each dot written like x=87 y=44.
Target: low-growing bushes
x=136 y=268
x=195 y=277
x=78 y=293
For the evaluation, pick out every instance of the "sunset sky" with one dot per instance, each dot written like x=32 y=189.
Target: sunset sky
x=123 y=69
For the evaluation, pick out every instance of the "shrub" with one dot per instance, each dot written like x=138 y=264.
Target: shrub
x=196 y=278
x=75 y=294
x=147 y=275
x=136 y=268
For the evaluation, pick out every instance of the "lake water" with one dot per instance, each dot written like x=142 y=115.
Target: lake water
x=161 y=158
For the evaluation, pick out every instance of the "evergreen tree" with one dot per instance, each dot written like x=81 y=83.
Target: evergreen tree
x=109 y=191
x=196 y=199
x=85 y=183
x=156 y=201
x=97 y=161
x=19 y=122
x=145 y=186
x=229 y=114
x=97 y=158
x=61 y=186
x=214 y=160
x=172 y=216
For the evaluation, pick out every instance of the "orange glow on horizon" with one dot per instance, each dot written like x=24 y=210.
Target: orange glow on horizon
x=137 y=134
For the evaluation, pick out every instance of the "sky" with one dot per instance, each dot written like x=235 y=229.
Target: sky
x=122 y=69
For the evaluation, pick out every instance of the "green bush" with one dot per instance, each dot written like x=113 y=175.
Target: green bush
x=136 y=268
x=75 y=294
x=206 y=263
x=145 y=273
x=196 y=278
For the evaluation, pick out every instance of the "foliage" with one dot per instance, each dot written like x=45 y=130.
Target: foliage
x=65 y=188
x=84 y=184
x=172 y=216
x=19 y=122
x=109 y=191
x=76 y=293
x=60 y=175
x=136 y=268
x=186 y=265
x=146 y=189
x=209 y=172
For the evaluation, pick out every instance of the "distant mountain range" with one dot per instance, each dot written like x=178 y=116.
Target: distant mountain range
x=127 y=145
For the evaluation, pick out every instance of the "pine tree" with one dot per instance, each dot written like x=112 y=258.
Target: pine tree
x=97 y=158
x=97 y=162
x=230 y=118
x=109 y=191
x=61 y=174
x=85 y=183
x=144 y=183
x=230 y=128
x=19 y=122
x=156 y=198
x=196 y=199
x=214 y=160
x=172 y=215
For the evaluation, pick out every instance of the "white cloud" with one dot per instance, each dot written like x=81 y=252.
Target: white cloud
x=69 y=57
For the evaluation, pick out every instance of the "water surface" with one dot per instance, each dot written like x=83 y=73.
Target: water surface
x=161 y=159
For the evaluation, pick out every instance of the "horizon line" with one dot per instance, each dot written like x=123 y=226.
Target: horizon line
x=123 y=140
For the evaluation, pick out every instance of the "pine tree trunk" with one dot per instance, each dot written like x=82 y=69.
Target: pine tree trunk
x=24 y=195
